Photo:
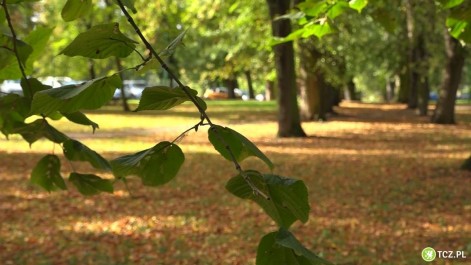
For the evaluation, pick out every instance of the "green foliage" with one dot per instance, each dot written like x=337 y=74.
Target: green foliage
x=89 y=184
x=68 y=99
x=224 y=139
x=38 y=129
x=29 y=51
x=13 y=111
x=80 y=118
x=281 y=247
x=358 y=5
x=76 y=151
x=46 y=174
x=74 y=9
x=155 y=166
x=288 y=199
x=284 y=200
x=101 y=41
x=7 y=54
x=163 y=98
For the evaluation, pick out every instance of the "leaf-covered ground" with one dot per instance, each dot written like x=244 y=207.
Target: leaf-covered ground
x=383 y=184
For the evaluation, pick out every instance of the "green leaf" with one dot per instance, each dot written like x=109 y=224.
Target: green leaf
x=76 y=151
x=456 y=27
x=89 y=184
x=37 y=39
x=288 y=197
x=152 y=64
x=20 y=1
x=7 y=54
x=80 y=118
x=38 y=129
x=13 y=111
x=318 y=29
x=447 y=4
x=313 y=8
x=241 y=147
x=155 y=166
x=130 y=4
x=68 y=99
x=337 y=9
x=74 y=9
x=31 y=86
x=163 y=98
x=358 y=5
x=46 y=174
x=101 y=41
x=173 y=45
x=281 y=248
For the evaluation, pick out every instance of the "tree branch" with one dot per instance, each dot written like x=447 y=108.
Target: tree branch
x=13 y=34
x=204 y=115
x=161 y=61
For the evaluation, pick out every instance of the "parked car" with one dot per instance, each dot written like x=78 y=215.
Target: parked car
x=221 y=93
x=132 y=88
x=11 y=87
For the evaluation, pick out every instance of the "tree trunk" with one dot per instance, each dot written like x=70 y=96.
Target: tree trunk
x=404 y=86
x=248 y=76
x=124 y=98
x=230 y=84
x=424 y=91
x=444 y=112
x=466 y=164
x=91 y=69
x=390 y=90
x=350 y=90
x=414 y=76
x=289 y=124
x=270 y=90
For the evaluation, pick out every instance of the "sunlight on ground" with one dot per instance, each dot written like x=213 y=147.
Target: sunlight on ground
x=383 y=183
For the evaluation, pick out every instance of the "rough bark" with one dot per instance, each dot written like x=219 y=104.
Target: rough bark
x=289 y=124
x=248 y=76
x=444 y=112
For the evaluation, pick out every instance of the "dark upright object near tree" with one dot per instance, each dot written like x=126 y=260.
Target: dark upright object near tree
x=466 y=164
x=444 y=112
x=289 y=124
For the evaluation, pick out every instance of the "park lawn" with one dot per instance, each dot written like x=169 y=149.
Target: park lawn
x=383 y=185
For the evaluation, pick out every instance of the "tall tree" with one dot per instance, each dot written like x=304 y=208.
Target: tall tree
x=444 y=112
x=289 y=123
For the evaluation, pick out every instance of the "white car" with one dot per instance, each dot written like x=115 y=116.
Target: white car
x=11 y=87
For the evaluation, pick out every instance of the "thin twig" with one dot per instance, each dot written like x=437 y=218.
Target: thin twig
x=162 y=63
x=15 y=48
x=183 y=134
x=204 y=115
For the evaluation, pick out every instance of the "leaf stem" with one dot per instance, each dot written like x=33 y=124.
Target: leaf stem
x=238 y=167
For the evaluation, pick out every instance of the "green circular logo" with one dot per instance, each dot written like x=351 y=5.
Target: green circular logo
x=428 y=254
